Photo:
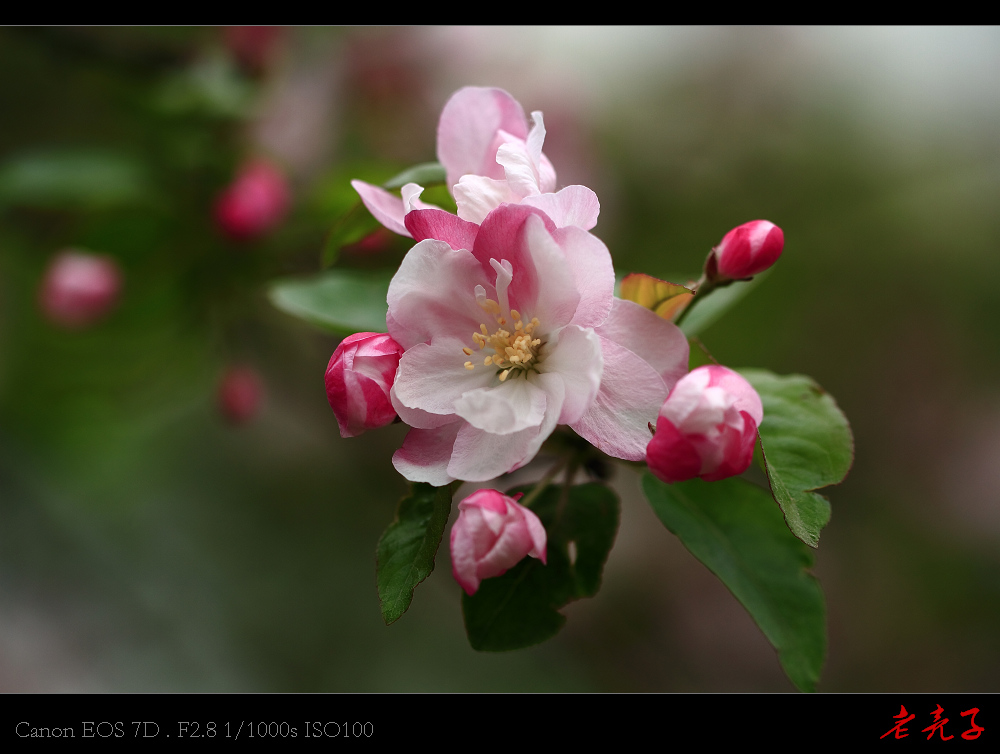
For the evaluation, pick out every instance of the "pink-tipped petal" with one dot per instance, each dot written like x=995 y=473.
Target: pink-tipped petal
x=387 y=208
x=467 y=131
x=442 y=226
x=425 y=454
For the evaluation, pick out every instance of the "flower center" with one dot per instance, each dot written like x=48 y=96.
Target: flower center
x=514 y=345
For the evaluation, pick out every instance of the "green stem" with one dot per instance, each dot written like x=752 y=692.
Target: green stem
x=545 y=481
x=702 y=289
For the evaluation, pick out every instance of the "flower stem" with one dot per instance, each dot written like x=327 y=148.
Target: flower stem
x=544 y=482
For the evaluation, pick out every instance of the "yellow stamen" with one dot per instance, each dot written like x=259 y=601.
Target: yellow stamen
x=469 y=365
x=503 y=375
x=514 y=313
x=489 y=360
x=467 y=351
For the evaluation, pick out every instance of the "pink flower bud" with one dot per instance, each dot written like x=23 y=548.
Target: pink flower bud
x=254 y=202
x=79 y=289
x=747 y=250
x=358 y=379
x=492 y=533
x=252 y=46
x=240 y=394
x=706 y=427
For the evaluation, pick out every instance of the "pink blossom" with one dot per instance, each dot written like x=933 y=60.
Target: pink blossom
x=537 y=302
x=358 y=379
x=706 y=427
x=254 y=203
x=78 y=289
x=492 y=534
x=490 y=157
x=240 y=394
x=746 y=250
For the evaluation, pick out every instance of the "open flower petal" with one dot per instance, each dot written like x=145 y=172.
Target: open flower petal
x=422 y=300
x=573 y=205
x=629 y=399
x=660 y=343
x=574 y=355
x=425 y=454
x=503 y=409
x=431 y=377
x=467 y=132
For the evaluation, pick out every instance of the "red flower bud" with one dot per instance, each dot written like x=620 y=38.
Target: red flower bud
x=79 y=289
x=255 y=202
x=747 y=250
x=240 y=394
x=358 y=379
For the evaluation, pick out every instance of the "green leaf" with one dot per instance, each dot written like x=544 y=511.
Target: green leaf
x=424 y=174
x=806 y=443
x=343 y=301
x=733 y=528
x=707 y=310
x=351 y=227
x=81 y=179
x=406 y=550
x=521 y=607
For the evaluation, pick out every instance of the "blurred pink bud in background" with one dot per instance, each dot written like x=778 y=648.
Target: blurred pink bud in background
x=492 y=534
x=706 y=427
x=747 y=250
x=253 y=46
x=78 y=288
x=254 y=203
x=358 y=379
x=240 y=394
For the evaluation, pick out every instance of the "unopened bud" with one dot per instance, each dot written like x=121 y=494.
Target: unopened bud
x=745 y=251
x=79 y=288
x=254 y=203
x=240 y=394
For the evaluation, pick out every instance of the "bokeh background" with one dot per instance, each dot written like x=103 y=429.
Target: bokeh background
x=152 y=541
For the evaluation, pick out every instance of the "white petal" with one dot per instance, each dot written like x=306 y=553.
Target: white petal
x=432 y=377
x=503 y=409
x=521 y=175
x=574 y=353
x=573 y=205
x=479 y=456
x=477 y=196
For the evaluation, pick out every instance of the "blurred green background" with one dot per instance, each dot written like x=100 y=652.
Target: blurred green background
x=146 y=544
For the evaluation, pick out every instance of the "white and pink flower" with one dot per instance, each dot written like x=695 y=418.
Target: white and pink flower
x=510 y=329
x=358 y=379
x=491 y=157
x=706 y=427
x=493 y=533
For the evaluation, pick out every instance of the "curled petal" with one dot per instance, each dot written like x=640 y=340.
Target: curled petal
x=467 y=132
x=573 y=205
x=387 y=208
x=574 y=354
